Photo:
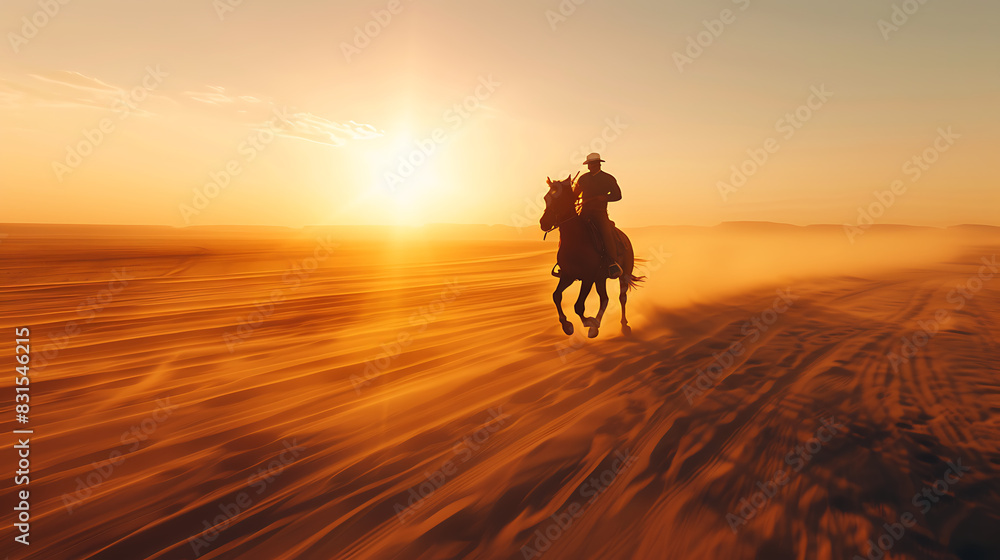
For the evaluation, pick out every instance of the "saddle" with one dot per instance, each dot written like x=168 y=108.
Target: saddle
x=598 y=240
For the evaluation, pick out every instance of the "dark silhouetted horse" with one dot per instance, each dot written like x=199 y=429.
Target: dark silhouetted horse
x=580 y=258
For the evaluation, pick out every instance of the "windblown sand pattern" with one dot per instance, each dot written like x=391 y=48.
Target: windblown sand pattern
x=322 y=394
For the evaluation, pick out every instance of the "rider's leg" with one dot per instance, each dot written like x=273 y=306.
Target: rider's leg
x=610 y=240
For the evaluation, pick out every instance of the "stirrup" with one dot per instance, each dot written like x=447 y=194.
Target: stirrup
x=615 y=271
x=556 y=271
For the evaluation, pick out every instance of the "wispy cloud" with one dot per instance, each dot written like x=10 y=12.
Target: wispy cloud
x=66 y=90
x=56 y=89
x=295 y=123
x=306 y=126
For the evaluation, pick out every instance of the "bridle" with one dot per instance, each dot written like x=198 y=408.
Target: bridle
x=576 y=213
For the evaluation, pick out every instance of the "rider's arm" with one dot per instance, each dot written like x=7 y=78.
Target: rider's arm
x=615 y=194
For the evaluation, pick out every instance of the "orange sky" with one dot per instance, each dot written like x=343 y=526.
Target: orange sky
x=304 y=121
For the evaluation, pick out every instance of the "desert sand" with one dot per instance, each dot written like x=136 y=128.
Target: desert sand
x=326 y=393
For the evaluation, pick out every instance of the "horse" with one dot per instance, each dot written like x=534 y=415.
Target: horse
x=579 y=258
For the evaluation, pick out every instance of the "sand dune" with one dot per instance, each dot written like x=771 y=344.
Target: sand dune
x=279 y=394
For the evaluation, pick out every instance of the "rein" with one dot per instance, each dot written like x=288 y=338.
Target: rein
x=557 y=226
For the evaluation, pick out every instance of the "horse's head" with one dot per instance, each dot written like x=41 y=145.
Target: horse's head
x=560 y=203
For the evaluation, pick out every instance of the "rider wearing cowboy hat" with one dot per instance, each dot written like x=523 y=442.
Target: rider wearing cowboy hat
x=597 y=189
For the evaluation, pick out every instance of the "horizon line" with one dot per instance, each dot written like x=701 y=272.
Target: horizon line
x=449 y=224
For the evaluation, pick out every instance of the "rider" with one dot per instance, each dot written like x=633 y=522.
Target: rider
x=597 y=189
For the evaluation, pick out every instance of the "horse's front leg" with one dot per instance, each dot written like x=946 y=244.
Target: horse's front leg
x=602 y=291
x=581 y=304
x=557 y=298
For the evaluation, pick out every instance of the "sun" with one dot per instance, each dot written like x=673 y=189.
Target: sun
x=405 y=176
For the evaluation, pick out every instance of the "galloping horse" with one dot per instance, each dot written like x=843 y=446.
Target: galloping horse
x=579 y=258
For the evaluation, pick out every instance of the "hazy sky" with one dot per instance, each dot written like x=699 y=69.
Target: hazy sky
x=281 y=113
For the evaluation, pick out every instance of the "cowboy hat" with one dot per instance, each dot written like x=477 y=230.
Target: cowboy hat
x=593 y=158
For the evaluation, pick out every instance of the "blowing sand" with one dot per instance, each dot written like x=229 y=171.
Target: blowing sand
x=320 y=394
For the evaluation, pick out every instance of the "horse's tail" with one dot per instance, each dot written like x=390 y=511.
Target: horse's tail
x=634 y=281
x=629 y=280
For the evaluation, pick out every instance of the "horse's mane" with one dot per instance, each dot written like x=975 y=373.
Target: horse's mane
x=567 y=189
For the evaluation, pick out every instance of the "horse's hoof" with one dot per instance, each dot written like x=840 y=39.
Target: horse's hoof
x=568 y=328
x=592 y=333
x=590 y=322
x=626 y=330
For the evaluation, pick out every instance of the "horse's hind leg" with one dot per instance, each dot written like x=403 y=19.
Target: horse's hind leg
x=623 y=297
x=581 y=304
x=557 y=298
